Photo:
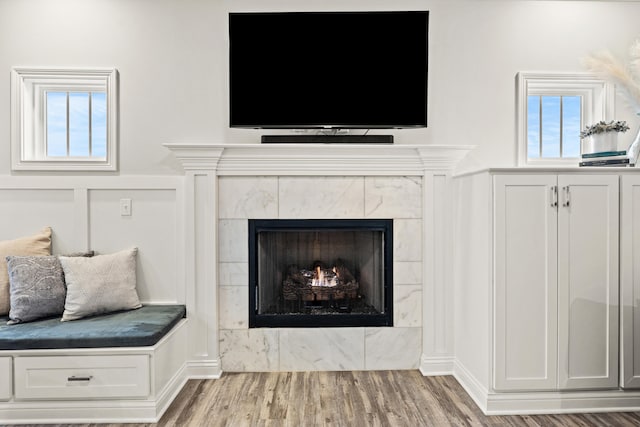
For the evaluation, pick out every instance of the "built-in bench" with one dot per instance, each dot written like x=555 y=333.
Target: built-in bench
x=134 y=328
x=117 y=367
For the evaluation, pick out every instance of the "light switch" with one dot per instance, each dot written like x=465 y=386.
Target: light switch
x=125 y=207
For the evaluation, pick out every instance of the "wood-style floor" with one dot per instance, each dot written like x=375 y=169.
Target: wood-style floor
x=383 y=398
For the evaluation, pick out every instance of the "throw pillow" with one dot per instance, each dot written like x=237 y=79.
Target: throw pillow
x=37 y=287
x=100 y=284
x=38 y=244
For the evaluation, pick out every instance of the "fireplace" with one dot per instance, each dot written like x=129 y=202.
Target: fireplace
x=320 y=273
x=226 y=185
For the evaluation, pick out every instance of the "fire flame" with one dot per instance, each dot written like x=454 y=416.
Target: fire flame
x=320 y=279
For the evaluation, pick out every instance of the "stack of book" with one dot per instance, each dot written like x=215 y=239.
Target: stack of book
x=606 y=158
x=623 y=158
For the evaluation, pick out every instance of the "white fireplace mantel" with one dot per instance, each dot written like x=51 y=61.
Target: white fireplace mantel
x=319 y=159
x=205 y=165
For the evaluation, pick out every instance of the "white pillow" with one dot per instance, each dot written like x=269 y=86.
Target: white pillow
x=101 y=284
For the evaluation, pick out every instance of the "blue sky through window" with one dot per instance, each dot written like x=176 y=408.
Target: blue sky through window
x=553 y=126
x=85 y=137
x=550 y=126
x=533 y=127
x=57 y=123
x=571 y=126
x=78 y=124
x=99 y=124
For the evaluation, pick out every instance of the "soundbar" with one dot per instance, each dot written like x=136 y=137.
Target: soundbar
x=327 y=139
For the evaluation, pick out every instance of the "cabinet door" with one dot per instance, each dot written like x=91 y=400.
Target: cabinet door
x=525 y=279
x=630 y=282
x=6 y=370
x=588 y=281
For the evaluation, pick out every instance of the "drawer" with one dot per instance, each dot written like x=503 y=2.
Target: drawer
x=5 y=372
x=81 y=377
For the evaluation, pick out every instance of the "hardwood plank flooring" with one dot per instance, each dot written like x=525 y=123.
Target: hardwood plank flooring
x=358 y=399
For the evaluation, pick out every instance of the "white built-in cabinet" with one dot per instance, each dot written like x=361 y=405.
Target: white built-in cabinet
x=630 y=282
x=556 y=282
x=79 y=385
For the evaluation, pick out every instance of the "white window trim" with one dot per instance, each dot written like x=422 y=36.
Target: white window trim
x=599 y=104
x=28 y=86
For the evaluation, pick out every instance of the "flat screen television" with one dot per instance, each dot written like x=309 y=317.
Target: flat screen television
x=347 y=70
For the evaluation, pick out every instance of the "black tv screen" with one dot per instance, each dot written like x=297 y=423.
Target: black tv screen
x=328 y=69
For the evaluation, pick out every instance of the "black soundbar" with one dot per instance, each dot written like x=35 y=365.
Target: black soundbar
x=327 y=139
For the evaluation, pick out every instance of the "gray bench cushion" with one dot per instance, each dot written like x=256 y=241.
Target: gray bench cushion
x=135 y=328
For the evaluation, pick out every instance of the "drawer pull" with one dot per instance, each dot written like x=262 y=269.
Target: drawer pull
x=74 y=378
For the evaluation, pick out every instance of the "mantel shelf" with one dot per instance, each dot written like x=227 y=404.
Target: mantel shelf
x=318 y=159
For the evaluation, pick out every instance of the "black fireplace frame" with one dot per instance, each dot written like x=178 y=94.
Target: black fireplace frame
x=256 y=320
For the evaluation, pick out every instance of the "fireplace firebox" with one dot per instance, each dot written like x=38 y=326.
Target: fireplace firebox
x=320 y=273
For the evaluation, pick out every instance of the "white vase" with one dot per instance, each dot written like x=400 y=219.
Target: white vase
x=634 y=149
x=600 y=142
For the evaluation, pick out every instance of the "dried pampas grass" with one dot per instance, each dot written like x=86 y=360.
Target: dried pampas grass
x=634 y=63
x=626 y=78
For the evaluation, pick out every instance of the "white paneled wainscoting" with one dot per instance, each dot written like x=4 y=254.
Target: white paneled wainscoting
x=226 y=185
x=85 y=213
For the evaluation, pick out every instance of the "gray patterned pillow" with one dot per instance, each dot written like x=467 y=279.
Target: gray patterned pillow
x=101 y=284
x=36 y=285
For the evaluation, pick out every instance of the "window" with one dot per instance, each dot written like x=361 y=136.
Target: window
x=76 y=124
x=64 y=119
x=553 y=109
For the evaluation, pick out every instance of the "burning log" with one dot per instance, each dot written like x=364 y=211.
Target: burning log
x=343 y=272
x=323 y=276
x=320 y=283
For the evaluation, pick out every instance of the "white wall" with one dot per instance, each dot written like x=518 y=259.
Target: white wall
x=479 y=46
x=167 y=52
x=86 y=215
x=172 y=59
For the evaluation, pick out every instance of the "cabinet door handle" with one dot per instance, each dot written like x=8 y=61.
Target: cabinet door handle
x=554 y=196
x=74 y=378
x=567 y=197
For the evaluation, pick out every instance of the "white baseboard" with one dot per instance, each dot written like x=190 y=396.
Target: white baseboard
x=436 y=365
x=204 y=369
x=472 y=386
x=63 y=412
x=562 y=402
x=171 y=391
x=530 y=403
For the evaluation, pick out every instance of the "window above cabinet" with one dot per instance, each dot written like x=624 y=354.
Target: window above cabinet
x=552 y=109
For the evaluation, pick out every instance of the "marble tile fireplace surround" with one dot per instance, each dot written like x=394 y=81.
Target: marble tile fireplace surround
x=226 y=185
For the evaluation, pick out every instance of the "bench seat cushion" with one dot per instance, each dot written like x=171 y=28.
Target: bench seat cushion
x=144 y=326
